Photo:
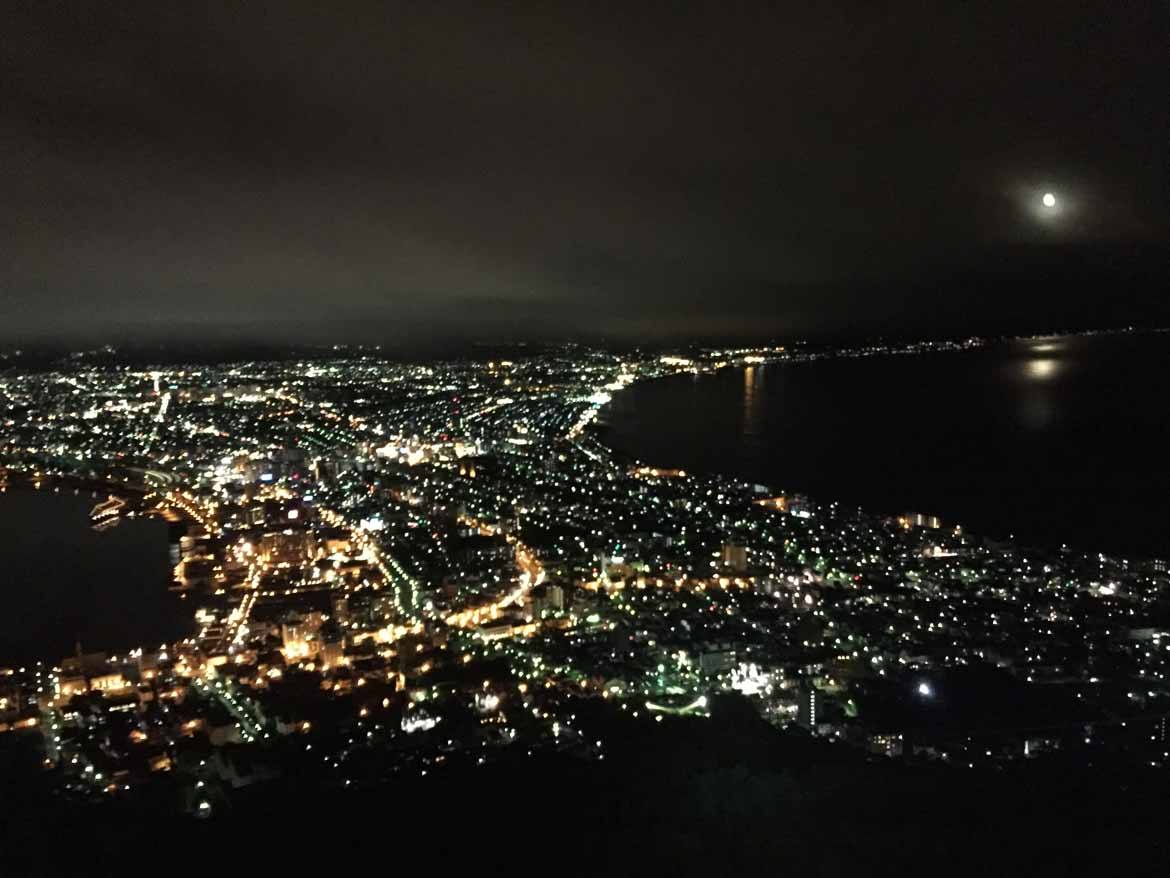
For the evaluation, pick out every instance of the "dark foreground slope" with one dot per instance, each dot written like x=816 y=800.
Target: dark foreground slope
x=723 y=796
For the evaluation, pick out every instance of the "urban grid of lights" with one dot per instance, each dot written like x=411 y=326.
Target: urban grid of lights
x=409 y=542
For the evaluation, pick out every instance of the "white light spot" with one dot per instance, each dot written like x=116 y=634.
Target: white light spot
x=1049 y=199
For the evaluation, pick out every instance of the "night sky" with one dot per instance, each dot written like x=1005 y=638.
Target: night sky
x=331 y=172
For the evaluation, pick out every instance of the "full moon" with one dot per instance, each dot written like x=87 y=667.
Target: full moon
x=1049 y=199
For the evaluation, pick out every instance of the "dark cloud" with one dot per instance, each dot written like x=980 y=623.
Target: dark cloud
x=308 y=170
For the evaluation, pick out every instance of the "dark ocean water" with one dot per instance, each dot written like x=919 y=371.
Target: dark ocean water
x=61 y=580
x=1055 y=440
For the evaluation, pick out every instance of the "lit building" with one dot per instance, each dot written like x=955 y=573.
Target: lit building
x=735 y=557
x=808 y=709
x=331 y=645
x=547 y=598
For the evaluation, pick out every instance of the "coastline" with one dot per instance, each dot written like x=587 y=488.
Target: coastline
x=609 y=432
x=106 y=588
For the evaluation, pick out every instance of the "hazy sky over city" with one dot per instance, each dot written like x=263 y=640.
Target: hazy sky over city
x=397 y=172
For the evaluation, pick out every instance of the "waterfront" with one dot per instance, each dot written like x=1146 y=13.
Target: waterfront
x=1053 y=440
x=423 y=566
x=63 y=581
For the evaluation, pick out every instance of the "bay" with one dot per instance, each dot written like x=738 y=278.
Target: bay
x=63 y=582
x=1051 y=440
